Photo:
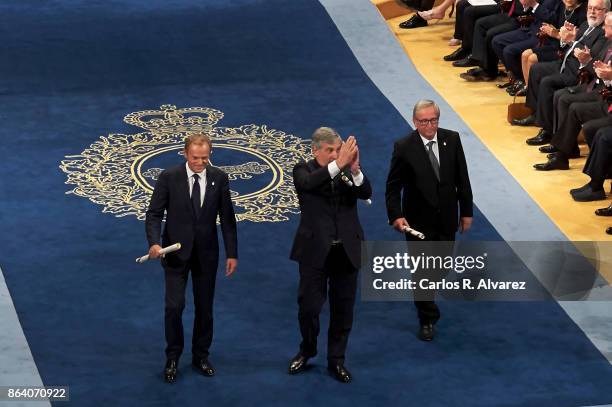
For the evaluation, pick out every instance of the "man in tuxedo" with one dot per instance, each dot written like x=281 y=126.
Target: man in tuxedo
x=327 y=245
x=192 y=195
x=545 y=78
x=427 y=187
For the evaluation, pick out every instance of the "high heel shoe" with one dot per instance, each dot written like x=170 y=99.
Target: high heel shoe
x=452 y=10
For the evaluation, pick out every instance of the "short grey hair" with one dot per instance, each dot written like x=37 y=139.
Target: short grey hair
x=425 y=103
x=324 y=135
x=606 y=4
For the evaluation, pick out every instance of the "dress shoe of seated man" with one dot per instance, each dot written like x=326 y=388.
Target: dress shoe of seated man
x=543 y=137
x=416 y=20
x=597 y=166
x=557 y=161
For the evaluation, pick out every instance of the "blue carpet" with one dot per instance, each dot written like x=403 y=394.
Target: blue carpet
x=72 y=69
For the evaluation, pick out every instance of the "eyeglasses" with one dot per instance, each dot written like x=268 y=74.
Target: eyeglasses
x=425 y=122
x=591 y=8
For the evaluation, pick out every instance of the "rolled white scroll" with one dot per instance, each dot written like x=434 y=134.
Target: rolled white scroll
x=163 y=252
x=413 y=232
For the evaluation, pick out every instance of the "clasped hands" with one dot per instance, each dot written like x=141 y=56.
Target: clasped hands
x=348 y=155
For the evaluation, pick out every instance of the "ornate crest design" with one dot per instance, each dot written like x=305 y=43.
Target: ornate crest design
x=118 y=170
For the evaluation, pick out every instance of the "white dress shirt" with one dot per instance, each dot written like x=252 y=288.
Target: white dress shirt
x=202 y=182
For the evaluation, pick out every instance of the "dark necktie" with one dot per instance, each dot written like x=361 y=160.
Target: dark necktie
x=434 y=161
x=195 y=195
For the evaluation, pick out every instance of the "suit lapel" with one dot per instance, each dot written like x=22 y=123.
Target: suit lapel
x=443 y=153
x=183 y=189
x=211 y=187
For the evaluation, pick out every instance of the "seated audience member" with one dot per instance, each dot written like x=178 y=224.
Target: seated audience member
x=465 y=22
x=510 y=45
x=598 y=166
x=548 y=45
x=577 y=105
x=547 y=77
x=483 y=54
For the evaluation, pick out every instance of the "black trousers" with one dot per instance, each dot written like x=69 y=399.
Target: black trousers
x=592 y=127
x=572 y=111
x=341 y=276
x=203 y=276
x=544 y=81
x=485 y=30
x=428 y=311
x=420 y=5
x=465 y=22
x=599 y=162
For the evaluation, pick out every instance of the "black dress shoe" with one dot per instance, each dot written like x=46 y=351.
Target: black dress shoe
x=515 y=87
x=604 y=212
x=415 y=21
x=543 y=137
x=548 y=149
x=555 y=163
x=582 y=188
x=527 y=121
x=426 y=332
x=204 y=366
x=465 y=62
x=588 y=195
x=609 y=230
x=505 y=85
x=298 y=363
x=477 y=76
x=340 y=373
x=170 y=371
x=459 y=53
x=522 y=91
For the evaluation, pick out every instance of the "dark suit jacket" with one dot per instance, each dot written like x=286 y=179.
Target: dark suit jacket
x=595 y=41
x=327 y=213
x=414 y=192
x=171 y=194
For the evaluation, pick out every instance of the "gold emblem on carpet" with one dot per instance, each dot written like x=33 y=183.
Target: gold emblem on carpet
x=119 y=170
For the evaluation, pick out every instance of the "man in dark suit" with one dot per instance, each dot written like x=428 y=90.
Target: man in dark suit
x=545 y=78
x=427 y=187
x=191 y=195
x=597 y=167
x=327 y=245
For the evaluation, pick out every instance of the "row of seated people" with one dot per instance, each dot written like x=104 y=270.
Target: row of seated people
x=556 y=52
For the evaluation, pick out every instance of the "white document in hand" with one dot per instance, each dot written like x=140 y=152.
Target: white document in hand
x=482 y=2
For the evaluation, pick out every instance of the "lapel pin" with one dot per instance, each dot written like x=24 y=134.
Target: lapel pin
x=444 y=143
x=213 y=183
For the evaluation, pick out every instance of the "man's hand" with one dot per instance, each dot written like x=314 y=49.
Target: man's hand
x=465 y=224
x=355 y=168
x=547 y=29
x=583 y=55
x=154 y=251
x=230 y=266
x=347 y=152
x=400 y=223
x=603 y=71
x=568 y=32
x=528 y=3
